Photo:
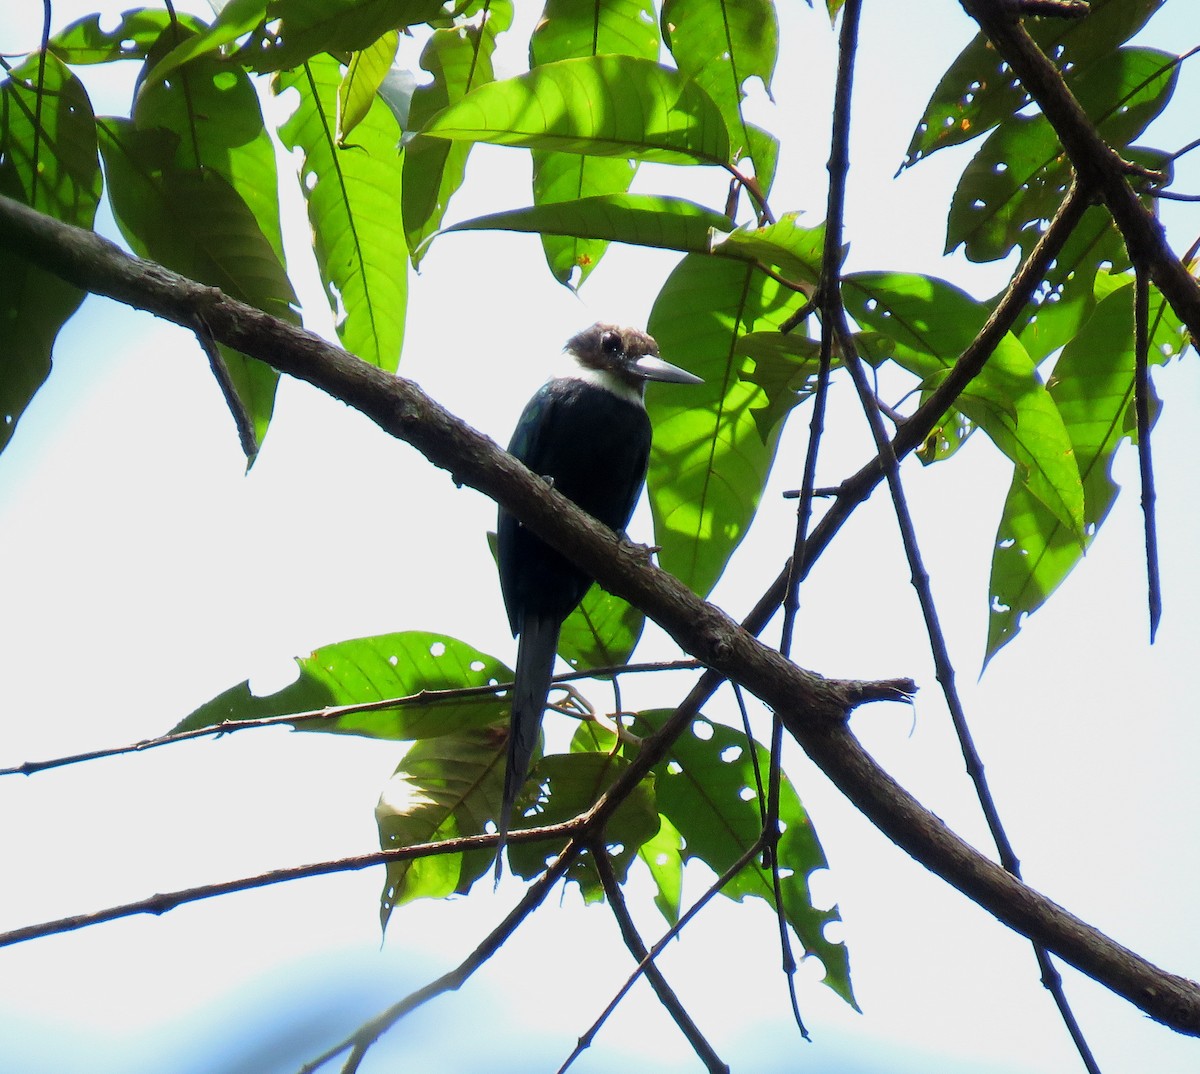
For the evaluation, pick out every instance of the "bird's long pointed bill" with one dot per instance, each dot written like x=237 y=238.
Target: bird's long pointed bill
x=652 y=368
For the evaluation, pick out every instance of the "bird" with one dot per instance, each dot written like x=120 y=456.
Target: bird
x=587 y=434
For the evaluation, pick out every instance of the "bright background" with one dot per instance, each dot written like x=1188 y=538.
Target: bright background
x=141 y=572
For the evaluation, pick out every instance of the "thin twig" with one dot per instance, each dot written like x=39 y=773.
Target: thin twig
x=237 y=408
x=1141 y=385
x=586 y=1039
x=369 y=1032
x=332 y=712
x=633 y=940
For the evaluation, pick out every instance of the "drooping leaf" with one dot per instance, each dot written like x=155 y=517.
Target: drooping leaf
x=978 y=90
x=722 y=45
x=618 y=106
x=663 y=856
x=1093 y=389
x=709 y=461
x=197 y=224
x=459 y=59
x=353 y=196
x=785 y=368
x=55 y=169
x=371 y=669
x=312 y=27
x=1019 y=176
x=706 y=789
x=137 y=32
x=444 y=788
x=575 y=781
x=568 y=30
x=924 y=324
x=638 y=219
x=364 y=75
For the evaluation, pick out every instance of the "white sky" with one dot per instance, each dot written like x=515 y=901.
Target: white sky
x=141 y=573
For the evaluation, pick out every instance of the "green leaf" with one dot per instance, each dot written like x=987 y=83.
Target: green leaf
x=638 y=219
x=1019 y=176
x=197 y=224
x=710 y=460
x=707 y=791
x=444 y=788
x=575 y=781
x=722 y=45
x=796 y=251
x=663 y=856
x=371 y=669
x=361 y=82
x=55 y=169
x=978 y=90
x=618 y=106
x=1093 y=387
x=236 y=19
x=602 y=632
x=568 y=30
x=785 y=368
x=312 y=27
x=84 y=42
x=353 y=196
x=926 y=324
x=459 y=59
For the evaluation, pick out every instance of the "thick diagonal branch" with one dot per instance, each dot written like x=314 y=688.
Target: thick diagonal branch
x=813 y=708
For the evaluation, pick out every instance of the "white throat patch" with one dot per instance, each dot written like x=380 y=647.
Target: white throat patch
x=609 y=381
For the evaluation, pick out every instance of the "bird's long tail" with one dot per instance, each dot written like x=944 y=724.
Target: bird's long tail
x=535 y=668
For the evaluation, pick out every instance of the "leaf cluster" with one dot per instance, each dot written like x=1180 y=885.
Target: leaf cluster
x=190 y=177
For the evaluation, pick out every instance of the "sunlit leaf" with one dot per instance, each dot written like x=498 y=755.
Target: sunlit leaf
x=363 y=77
x=924 y=325
x=371 y=669
x=605 y=105
x=353 y=196
x=568 y=30
x=459 y=59
x=602 y=632
x=795 y=250
x=444 y=788
x=707 y=790
x=56 y=170
x=722 y=44
x=710 y=460
x=1093 y=389
x=785 y=368
x=663 y=856
x=137 y=32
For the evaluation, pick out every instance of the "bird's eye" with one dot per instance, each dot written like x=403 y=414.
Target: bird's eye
x=611 y=343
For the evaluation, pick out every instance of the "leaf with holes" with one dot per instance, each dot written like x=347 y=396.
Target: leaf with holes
x=1018 y=177
x=444 y=788
x=132 y=38
x=379 y=668
x=979 y=90
x=352 y=195
x=574 y=781
x=1093 y=388
x=710 y=460
x=925 y=324
x=707 y=790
